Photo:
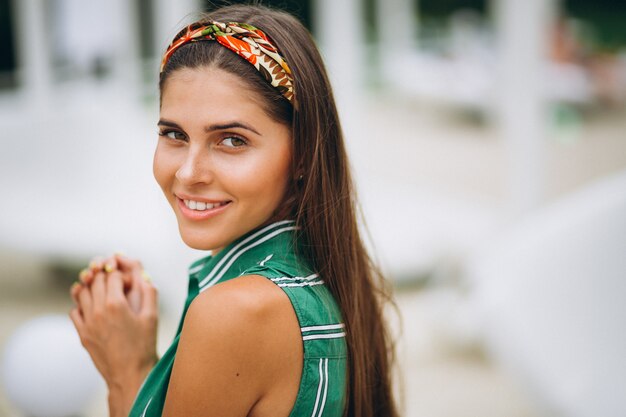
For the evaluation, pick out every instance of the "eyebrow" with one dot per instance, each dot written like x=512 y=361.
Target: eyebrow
x=213 y=127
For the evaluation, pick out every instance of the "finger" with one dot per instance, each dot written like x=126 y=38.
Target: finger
x=132 y=266
x=74 y=290
x=149 y=307
x=96 y=264
x=110 y=264
x=134 y=295
x=128 y=264
x=115 y=287
x=98 y=291
x=77 y=319
x=86 y=276
x=85 y=303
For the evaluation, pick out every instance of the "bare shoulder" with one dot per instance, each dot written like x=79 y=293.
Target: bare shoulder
x=239 y=344
x=250 y=295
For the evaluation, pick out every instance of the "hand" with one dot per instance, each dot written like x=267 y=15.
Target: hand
x=133 y=273
x=116 y=319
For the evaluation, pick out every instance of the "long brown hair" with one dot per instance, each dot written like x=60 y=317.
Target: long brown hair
x=323 y=200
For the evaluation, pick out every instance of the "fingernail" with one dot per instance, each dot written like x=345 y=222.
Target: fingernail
x=109 y=268
x=75 y=284
x=94 y=264
x=146 y=276
x=83 y=273
x=119 y=253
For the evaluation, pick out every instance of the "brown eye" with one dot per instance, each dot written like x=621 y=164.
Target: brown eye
x=233 y=142
x=173 y=134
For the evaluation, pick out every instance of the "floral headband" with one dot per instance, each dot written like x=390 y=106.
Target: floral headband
x=246 y=41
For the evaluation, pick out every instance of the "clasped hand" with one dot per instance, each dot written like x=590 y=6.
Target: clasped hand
x=116 y=318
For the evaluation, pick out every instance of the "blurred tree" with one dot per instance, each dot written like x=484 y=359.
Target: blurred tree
x=444 y=8
x=607 y=17
x=7 y=46
x=146 y=22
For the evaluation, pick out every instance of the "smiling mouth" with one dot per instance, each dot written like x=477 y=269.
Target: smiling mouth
x=202 y=206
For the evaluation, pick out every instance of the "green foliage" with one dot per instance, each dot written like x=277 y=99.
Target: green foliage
x=444 y=8
x=7 y=47
x=608 y=19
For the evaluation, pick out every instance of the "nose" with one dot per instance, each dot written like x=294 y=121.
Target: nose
x=195 y=168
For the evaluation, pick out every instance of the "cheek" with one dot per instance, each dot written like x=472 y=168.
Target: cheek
x=163 y=167
x=263 y=179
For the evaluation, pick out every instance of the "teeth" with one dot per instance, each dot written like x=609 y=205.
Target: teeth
x=201 y=205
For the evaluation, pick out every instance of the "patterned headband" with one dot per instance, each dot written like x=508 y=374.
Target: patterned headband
x=246 y=41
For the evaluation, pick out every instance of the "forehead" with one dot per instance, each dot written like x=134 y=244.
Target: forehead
x=209 y=91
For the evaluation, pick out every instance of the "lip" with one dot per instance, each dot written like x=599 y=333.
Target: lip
x=200 y=215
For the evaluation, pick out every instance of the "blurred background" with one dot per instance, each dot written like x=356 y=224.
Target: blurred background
x=488 y=141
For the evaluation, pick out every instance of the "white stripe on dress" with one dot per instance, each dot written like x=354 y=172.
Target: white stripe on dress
x=301 y=284
x=210 y=279
x=243 y=242
x=319 y=389
x=241 y=252
x=262 y=263
x=196 y=268
x=312 y=276
x=146 y=409
x=324 y=336
x=323 y=327
x=325 y=387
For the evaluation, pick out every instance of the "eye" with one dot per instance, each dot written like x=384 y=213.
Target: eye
x=173 y=134
x=233 y=142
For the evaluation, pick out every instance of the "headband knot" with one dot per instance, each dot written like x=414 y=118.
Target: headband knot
x=248 y=42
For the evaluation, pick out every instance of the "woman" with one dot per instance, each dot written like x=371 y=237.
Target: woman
x=285 y=317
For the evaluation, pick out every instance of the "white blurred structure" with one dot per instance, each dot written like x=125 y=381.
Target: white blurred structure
x=169 y=16
x=75 y=169
x=511 y=79
x=551 y=295
x=520 y=100
x=45 y=370
x=76 y=158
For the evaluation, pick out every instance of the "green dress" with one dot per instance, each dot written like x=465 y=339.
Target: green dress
x=269 y=251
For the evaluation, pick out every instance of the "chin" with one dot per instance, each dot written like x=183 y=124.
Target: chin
x=199 y=241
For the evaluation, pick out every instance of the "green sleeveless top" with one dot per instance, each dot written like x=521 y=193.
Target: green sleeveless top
x=269 y=252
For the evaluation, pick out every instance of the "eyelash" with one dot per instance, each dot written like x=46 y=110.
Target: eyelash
x=165 y=133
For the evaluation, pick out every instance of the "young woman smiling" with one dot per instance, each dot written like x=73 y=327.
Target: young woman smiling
x=284 y=318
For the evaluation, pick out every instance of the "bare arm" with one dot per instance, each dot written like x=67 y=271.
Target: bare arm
x=240 y=344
